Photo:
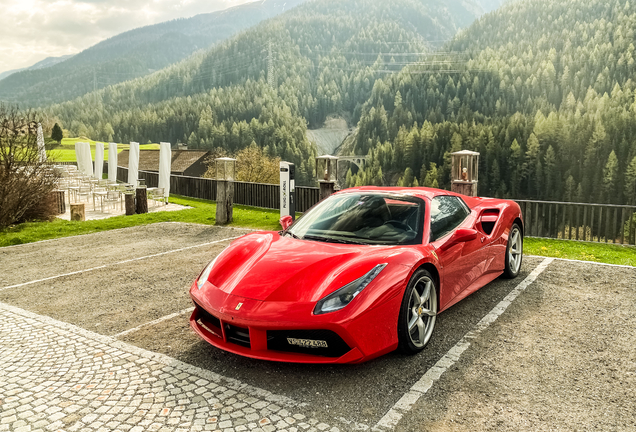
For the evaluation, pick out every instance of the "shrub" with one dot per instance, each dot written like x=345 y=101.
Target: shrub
x=26 y=182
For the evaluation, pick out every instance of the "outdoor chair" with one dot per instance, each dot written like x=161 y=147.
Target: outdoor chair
x=112 y=197
x=157 y=195
x=99 y=193
x=82 y=191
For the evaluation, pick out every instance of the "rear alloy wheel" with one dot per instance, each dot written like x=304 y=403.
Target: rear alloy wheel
x=417 y=313
x=514 y=252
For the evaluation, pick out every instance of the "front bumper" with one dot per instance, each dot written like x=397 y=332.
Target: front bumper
x=277 y=331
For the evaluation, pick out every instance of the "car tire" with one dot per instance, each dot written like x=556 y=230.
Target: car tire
x=514 y=252
x=417 y=313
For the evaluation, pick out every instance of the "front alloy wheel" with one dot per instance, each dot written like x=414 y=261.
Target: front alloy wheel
x=418 y=312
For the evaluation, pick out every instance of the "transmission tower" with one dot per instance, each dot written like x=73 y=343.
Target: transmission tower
x=271 y=72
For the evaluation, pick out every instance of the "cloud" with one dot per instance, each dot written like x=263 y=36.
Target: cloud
x=31 y=30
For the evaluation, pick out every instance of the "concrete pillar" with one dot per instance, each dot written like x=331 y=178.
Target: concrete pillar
x=327 y=188
x=224 y=202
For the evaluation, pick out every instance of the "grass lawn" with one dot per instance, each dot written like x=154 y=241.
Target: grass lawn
x=203 y=212
x=584 y=251
x=66 y=152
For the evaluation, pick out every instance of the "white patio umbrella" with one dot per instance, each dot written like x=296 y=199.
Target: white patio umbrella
x=78 y=156
x=88 y=159
x=112 y=162
x=165 y=164
x=99 y=160
x=133 y=163
x=41 y=146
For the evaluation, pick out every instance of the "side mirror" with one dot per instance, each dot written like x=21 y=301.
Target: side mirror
x=286 y=222
x=464 y=235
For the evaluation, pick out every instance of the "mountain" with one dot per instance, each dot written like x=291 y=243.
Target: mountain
x=266 y=84
x=47 y=62
x=545 y=92
x=134 y=54
x=490 y=5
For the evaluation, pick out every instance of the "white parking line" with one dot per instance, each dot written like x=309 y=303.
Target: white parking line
x=118 y=263
x=157 y=321
x=420 y=388
x=586 y=262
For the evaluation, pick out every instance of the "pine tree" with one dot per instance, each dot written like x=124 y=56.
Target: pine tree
x=57 y=134
x=570 y=189
x=431 y=177
x=515 y=161
x=610 y=174
x=630 y=183
x=549 y=172
x=530 y=166
x=407 y=179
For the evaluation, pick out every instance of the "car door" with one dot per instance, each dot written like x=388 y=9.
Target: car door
x=457 y=256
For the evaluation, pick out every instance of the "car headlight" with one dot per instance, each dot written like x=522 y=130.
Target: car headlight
x=206 y=273
x=343 y=296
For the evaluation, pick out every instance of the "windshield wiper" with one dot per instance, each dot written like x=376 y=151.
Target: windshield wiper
x=293 y=235
x=330 y=240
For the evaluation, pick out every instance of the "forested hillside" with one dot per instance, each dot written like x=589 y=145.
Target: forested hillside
x=134 y=54
x=265 y=84
x=546 y=95
x=47 y=62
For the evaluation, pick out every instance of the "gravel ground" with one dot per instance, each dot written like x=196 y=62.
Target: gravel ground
x=114 y=299
x=556 y=359
x=562 y=357
x=40 y=260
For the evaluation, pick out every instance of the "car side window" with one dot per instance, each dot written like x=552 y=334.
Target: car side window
x=447 y=213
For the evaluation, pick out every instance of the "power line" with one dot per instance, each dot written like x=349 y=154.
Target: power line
x=271 y=79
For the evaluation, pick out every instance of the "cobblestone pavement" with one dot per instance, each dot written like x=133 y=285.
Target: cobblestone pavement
x=58 y=377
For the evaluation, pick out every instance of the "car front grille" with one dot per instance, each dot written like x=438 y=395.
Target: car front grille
x=237 y=335
x=211 y=323
x=324 y=343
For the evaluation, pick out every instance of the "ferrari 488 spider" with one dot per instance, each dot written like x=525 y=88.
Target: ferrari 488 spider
x=362 y=273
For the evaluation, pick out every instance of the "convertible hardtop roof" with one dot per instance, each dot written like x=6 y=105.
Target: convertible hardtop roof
x=421 y=192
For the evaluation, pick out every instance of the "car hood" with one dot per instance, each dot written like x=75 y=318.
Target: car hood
x=267 y=266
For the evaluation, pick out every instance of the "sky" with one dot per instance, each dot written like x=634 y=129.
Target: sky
x=32 y=30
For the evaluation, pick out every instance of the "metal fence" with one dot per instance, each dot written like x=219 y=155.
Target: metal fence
x=249 y=194
x=603 y=223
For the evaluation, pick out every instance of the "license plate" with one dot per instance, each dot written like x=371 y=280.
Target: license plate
x=307 y=343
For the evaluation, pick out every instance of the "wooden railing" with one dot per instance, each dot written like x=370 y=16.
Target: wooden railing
x=603 y=223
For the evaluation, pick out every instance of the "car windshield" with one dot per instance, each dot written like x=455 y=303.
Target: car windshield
x=363 y=218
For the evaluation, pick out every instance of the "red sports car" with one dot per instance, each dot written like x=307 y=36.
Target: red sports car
x=362 y=273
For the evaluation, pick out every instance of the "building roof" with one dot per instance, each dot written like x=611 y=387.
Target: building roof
x=466 y=153
x=149 y=159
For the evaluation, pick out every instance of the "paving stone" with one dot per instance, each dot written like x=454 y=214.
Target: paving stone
x=54 y=370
